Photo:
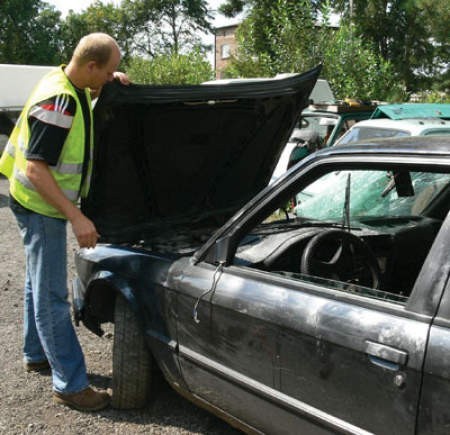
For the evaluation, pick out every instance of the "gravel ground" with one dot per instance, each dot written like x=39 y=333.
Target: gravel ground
x=25 y=398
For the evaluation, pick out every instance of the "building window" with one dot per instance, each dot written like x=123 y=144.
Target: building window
x=225 y=51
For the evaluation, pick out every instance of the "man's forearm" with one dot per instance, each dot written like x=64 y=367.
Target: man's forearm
x=83 y=228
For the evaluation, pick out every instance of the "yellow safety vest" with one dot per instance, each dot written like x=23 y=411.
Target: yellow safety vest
x=68 y=171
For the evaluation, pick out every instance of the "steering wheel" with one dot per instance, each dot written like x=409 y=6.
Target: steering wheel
x=341 y=256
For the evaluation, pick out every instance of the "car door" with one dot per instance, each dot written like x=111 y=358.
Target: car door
x=356 y=360
x=354 y=355
x=227 y=337
x=433 y=410
x=286 y=356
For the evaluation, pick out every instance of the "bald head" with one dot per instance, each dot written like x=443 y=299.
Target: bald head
x=96 y=47
x=94 y=61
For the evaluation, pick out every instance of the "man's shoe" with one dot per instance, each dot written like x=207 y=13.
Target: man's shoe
x=40 y=366
x=85 y=400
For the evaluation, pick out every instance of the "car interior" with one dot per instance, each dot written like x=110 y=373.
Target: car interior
x=360 y=230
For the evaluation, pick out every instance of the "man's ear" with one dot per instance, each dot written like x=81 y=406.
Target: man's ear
x=91 y=65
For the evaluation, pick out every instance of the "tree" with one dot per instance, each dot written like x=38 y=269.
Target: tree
x=174 y=69
x=165 y=26
x=98 y=17
x=411 y=34
x=142 y=27
x=436 y=15
x=30 y=32
x=278 y=36
x=355 y=70
x=284 y=36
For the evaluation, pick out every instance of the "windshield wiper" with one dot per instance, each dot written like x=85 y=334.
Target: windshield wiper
x=346 y=210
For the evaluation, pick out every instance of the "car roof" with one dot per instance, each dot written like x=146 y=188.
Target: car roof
x=414 y=126
x=337 y=110
x=413 y=110
x=419 y=145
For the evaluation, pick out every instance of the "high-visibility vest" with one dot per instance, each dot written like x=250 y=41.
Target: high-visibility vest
x=68 y=170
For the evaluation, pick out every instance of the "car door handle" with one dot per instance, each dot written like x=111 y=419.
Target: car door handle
x=386 y=353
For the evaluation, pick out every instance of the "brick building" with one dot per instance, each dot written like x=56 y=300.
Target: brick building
x=224 y=45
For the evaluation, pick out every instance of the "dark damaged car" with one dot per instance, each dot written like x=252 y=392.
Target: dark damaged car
x=278 y=320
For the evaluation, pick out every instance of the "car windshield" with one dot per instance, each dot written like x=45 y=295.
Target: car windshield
x=369 y=193
x=361 y=133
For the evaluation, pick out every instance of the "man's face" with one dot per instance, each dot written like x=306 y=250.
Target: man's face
x=99 y=75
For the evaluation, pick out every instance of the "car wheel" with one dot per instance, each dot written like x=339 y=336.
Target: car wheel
x=132 y=361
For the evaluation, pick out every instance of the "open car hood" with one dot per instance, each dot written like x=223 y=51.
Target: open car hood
x=187 y=156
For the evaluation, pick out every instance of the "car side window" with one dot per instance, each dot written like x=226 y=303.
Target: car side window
x=361 y=231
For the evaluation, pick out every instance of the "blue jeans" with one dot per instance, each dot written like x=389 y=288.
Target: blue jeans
x=48 y=329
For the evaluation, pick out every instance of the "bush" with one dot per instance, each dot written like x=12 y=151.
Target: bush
x=431 y=97
x=174 y=69
x=355 y=70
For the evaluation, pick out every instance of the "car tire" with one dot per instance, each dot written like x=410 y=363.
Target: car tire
x=132 y=361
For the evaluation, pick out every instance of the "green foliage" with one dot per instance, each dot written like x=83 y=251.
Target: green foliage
x=278 y=36
x=232 y=7
x=165 y=26
x=30 y=33
x=98 y=17
x=411 y=34
x=174 y=69
x=355 y=70
x=142 y=27
x=282 y=36
x=432 y=97
x=33 y=33
x=394 y=46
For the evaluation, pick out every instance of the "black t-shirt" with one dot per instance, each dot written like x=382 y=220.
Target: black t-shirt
x=50 y=122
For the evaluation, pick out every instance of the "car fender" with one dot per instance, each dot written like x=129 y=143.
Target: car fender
x=101 y=292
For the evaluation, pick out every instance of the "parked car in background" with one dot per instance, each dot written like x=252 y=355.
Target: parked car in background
x=413 y=111
x=401 y=120
x=278 y=323
x=382 y=128
x=329 y=121
x=16 y=84
x=321 y=125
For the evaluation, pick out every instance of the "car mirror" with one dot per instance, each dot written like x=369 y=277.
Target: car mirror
x=403 y=183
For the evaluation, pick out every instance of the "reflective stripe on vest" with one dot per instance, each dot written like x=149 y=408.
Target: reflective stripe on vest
x=10 y=149
x=24 y=180
x=67 y=168
x=53 y=118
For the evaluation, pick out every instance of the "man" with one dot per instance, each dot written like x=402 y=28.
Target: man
x=48 y=163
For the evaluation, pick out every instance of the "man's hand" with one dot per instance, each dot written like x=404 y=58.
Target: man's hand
x=122 y=77
x=41 y=177
x=85 y=231
x=117 y=75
